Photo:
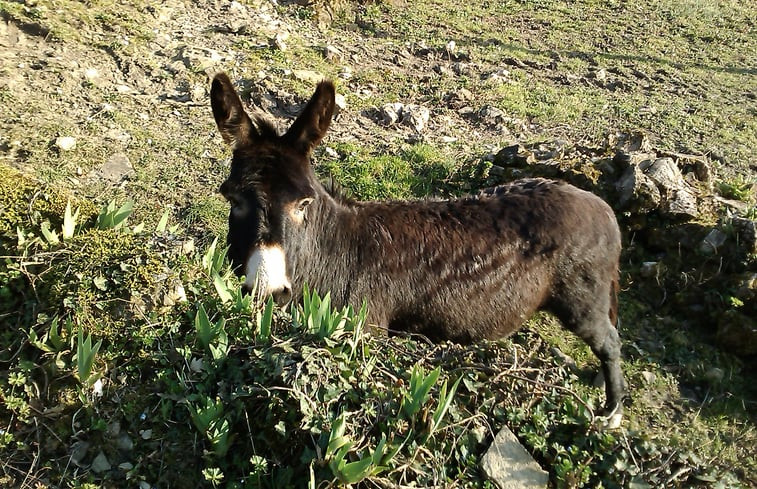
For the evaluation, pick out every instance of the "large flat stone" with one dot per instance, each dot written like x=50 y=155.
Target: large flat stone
x=510 y=466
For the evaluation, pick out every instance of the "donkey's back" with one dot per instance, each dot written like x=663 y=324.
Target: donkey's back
x=479 y=266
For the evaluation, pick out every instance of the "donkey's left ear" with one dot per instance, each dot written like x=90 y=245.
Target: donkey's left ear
x=311 y=126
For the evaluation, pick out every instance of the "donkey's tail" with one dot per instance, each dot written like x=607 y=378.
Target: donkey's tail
x=614 y=289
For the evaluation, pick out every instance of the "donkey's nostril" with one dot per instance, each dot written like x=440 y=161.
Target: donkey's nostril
x=282 y=296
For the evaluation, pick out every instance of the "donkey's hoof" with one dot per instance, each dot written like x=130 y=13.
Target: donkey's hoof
x=610 y=422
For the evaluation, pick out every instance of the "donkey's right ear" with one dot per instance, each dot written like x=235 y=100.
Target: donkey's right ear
x=233 y=122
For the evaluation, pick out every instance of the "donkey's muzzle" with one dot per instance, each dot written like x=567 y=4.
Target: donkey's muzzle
x=282 y=296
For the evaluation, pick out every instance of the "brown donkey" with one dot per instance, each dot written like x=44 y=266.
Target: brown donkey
x=464 y=269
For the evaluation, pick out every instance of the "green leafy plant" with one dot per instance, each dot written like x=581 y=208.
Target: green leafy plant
x=212 y=335
x=112 y=217
x=445 y=400
x=85 y=359
x=208 y=417
x=69 y=222
x=373 y=462
x=420 y=386
x=51 y=341
x=317 y=317
x=50 y=236
x=264 y=320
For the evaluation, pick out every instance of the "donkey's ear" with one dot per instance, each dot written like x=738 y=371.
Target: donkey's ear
x=233 y=122
x=310 y=127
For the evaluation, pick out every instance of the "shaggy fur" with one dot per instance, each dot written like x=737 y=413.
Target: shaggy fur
x=465 y=269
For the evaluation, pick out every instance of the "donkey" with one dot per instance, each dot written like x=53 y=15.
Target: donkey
x=464 y=269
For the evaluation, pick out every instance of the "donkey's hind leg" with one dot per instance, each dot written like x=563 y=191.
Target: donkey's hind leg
x=591 y=322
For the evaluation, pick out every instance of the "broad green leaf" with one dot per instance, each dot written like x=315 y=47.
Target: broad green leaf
x=50 y=236
x=163 y=222
x=69 y=222
x=354 y=472
x=222 y=287
x=203 y=326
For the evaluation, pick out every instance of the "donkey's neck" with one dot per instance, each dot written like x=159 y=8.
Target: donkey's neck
x=327 y=253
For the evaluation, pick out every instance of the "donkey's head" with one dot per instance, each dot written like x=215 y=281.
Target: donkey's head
x=271 y=183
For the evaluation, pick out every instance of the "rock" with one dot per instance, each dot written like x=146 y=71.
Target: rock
x=116 y=168
x=563 y=358
x=91 y=75
x=100 y=464
x=679 y=199
x=415 y=116
x=307 y=76
x=637 y=192
x=600 y=75
x=459 y=98
x=714 y=240
x=199 y=59
x=625 y=159
x=125 y=443
x=237 y=26
x=331 y=53
x=491 y=115
x=737 y=332
x=649 y=377
x=498 y=77
x=637 y=141
x=651 y=269
x=514 y=155
x=340 y=103
x=79 y=451
x=509 y=465
x=746 y=231
x=65 y=143
x=345 y=73
x=746 y=288
x=390 y=113
x=462 y=69
x=279 y=41
x=117 y=134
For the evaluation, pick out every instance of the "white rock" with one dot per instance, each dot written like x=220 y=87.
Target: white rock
x=91 y=74
x=340 y=102
x=97 y=388
x=510 y=466
x=391 y=113
x=65 y=143
x=100 y=464
x=415 y=116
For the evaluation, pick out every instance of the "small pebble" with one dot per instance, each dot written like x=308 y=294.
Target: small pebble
x=65 y=143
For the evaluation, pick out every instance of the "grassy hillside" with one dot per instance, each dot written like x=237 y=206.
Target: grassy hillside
x=128 y=357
